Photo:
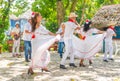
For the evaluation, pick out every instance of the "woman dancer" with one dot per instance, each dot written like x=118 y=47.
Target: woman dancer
x=42 y=39
x=90 y=43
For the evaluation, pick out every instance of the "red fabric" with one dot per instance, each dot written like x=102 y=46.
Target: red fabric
x=111 y=27
x=33 y=36
x=87 y=20
x=84 y=37
x=70 y=20
x=33 y=13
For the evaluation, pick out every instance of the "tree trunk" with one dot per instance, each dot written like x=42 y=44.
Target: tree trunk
x=83 y=12
x=67 y=5
x=74 y=2
x=60 y=11
x=111 y=1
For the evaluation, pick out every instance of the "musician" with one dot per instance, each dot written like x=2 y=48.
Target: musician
x=15 y=33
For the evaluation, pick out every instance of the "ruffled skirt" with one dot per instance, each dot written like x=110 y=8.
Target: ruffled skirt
x=89 y=47
x=40 y=53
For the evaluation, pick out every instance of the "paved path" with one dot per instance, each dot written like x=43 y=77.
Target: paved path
x=15 y=69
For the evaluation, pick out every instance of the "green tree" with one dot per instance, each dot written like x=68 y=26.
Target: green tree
x=47 y=8
x=8 y=7
x=19 y=7
x=4 y=17
x=54 y=11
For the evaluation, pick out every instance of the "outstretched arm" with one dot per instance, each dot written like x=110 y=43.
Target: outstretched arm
x=26 y=31
x=63 y=29
x=100 y=32
x=50 y=33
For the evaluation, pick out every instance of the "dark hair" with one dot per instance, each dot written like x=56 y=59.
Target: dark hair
x=18 y=25
x=87 y=26
x=105 y=28
x=34 y=20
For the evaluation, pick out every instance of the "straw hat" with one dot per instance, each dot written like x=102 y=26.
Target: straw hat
x=72 y=14
x=112 y=24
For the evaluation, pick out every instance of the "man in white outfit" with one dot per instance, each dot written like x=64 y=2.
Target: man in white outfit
x=68 y=31
x=16 y=39
x=108 y=43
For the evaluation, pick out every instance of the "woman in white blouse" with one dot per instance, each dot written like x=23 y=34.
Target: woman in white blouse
x=42 y=39
x=89 y=44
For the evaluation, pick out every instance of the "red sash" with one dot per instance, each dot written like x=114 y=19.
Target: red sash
x=70 y=20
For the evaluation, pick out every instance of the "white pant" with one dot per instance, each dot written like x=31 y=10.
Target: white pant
x=108 y=49
x=16 y=46
x=68 y=50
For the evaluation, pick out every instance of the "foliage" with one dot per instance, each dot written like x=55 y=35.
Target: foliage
x=19 y=6
x=4 y=21
x=48 y=9
x=9 y=7
x=85 y=9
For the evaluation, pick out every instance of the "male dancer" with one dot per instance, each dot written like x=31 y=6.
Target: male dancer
x=108 y=43
x=68 y=30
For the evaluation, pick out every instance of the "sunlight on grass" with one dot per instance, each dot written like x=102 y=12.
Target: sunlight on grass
x=117 y=79
x=10 y=64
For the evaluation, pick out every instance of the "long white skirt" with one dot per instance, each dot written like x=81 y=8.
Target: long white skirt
x=40 y=54
x=87 y=48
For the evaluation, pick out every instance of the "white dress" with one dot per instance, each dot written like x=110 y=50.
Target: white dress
x=40 y=45
x=90 y=46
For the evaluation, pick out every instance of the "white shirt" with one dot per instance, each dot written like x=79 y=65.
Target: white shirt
x=89 y=32
x=109 y=35
x=41 y=31
x=27 y=36
x=16 y=30
x=58 y=32
x=69 y=30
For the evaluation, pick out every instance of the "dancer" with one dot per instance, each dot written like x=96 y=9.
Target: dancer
x=61 y=44
x=108 y=43
x=68 y=30
x=87 y=31
x=16 y=39
x=27 y=40
x=42 y=39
